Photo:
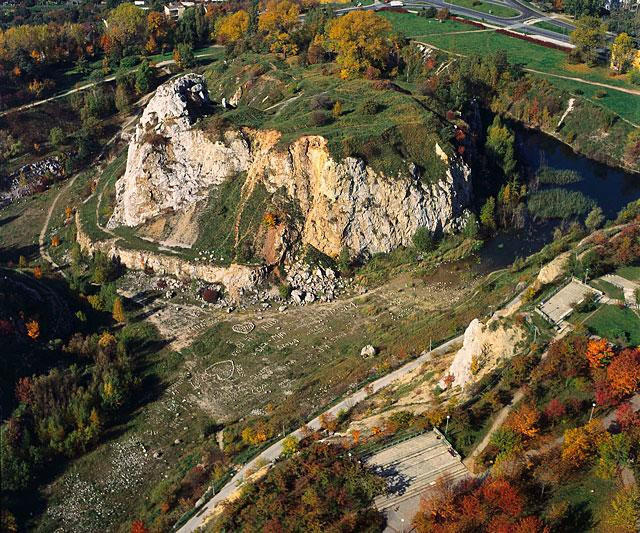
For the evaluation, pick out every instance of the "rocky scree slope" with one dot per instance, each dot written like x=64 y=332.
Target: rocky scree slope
x=172 y=164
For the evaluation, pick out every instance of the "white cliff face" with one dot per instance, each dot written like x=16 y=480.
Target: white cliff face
x=171 y=164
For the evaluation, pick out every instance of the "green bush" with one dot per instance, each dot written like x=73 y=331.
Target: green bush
x=423 y=240
x=634 y=76
x=369 y=107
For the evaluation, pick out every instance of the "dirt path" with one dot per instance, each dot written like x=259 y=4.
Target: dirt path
x=634 y=92
x=88 y=86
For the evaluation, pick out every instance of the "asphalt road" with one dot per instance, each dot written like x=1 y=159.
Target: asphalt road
x=527 y=15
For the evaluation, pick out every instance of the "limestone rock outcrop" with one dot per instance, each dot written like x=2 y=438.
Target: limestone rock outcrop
x=173 y=163
x=483 y=347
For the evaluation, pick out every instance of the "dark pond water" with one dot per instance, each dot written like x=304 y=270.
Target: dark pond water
x=610 y=188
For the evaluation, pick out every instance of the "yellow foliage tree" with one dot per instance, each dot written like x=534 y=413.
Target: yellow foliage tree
x=280 y=17
x=622 y=52
x=524 y=420
x=106 y=339
x=361 y=39
x=289 y=446
x=580 y=443
x=232 y=27
x=118 y=311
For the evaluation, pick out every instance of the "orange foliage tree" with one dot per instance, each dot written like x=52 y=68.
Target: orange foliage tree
x=328 y=422
x=599 y=353
x=524 y=419
x=137 y=526
x=37 y=272
x=55 y=241
x=33 y=329
x=624 y=372
x=481 y=505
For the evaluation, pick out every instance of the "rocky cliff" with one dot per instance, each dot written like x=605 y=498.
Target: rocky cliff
x=172 y=164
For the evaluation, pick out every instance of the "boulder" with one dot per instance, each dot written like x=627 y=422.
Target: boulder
x=368 y=351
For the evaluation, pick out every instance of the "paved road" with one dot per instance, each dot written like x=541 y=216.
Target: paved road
x=274 y=451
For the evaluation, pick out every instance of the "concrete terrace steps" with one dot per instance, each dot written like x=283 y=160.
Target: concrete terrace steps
x=418 y=463
x=391 y=500
x=396 y=453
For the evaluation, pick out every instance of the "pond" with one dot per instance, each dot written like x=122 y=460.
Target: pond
x=610 y=188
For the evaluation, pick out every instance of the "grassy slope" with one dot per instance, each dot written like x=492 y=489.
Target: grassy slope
x=529 y=54
x=614 y=322
x=402 y=120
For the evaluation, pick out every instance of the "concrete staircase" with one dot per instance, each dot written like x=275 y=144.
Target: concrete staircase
x=413 y=466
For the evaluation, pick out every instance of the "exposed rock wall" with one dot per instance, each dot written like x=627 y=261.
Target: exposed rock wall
x=482 y=349
x=235 y=277
x=172 y=164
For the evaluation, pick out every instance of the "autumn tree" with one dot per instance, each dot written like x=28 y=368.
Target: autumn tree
x=126 y=30
x=524 y=420
x=37 y=272
x=622 y=53
x=360 y=40
x=289 y=446
x=33 y=329
x=624 y=372
x=580 y=443
x=599 y=353
x=55 y=241
x=137 y=526
x=277 y=22
x=183 y=56
x=118 y=311
x=480 y=505
x=589 y=36
x=233 y=27
x=158 y=27
x=554 y=410
x=624 y=513
x=328 y=422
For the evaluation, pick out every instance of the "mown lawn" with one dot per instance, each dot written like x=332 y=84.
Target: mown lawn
x=551 y=27
x=530 y=55
x=629 y=272
x=609 y=289
x=616 y=323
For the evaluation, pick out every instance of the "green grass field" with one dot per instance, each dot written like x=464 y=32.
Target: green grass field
x=616 y=324
x=551 y=27
x=629 y=272
x=530 y=55
x=487 y=7
x=609 y=289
